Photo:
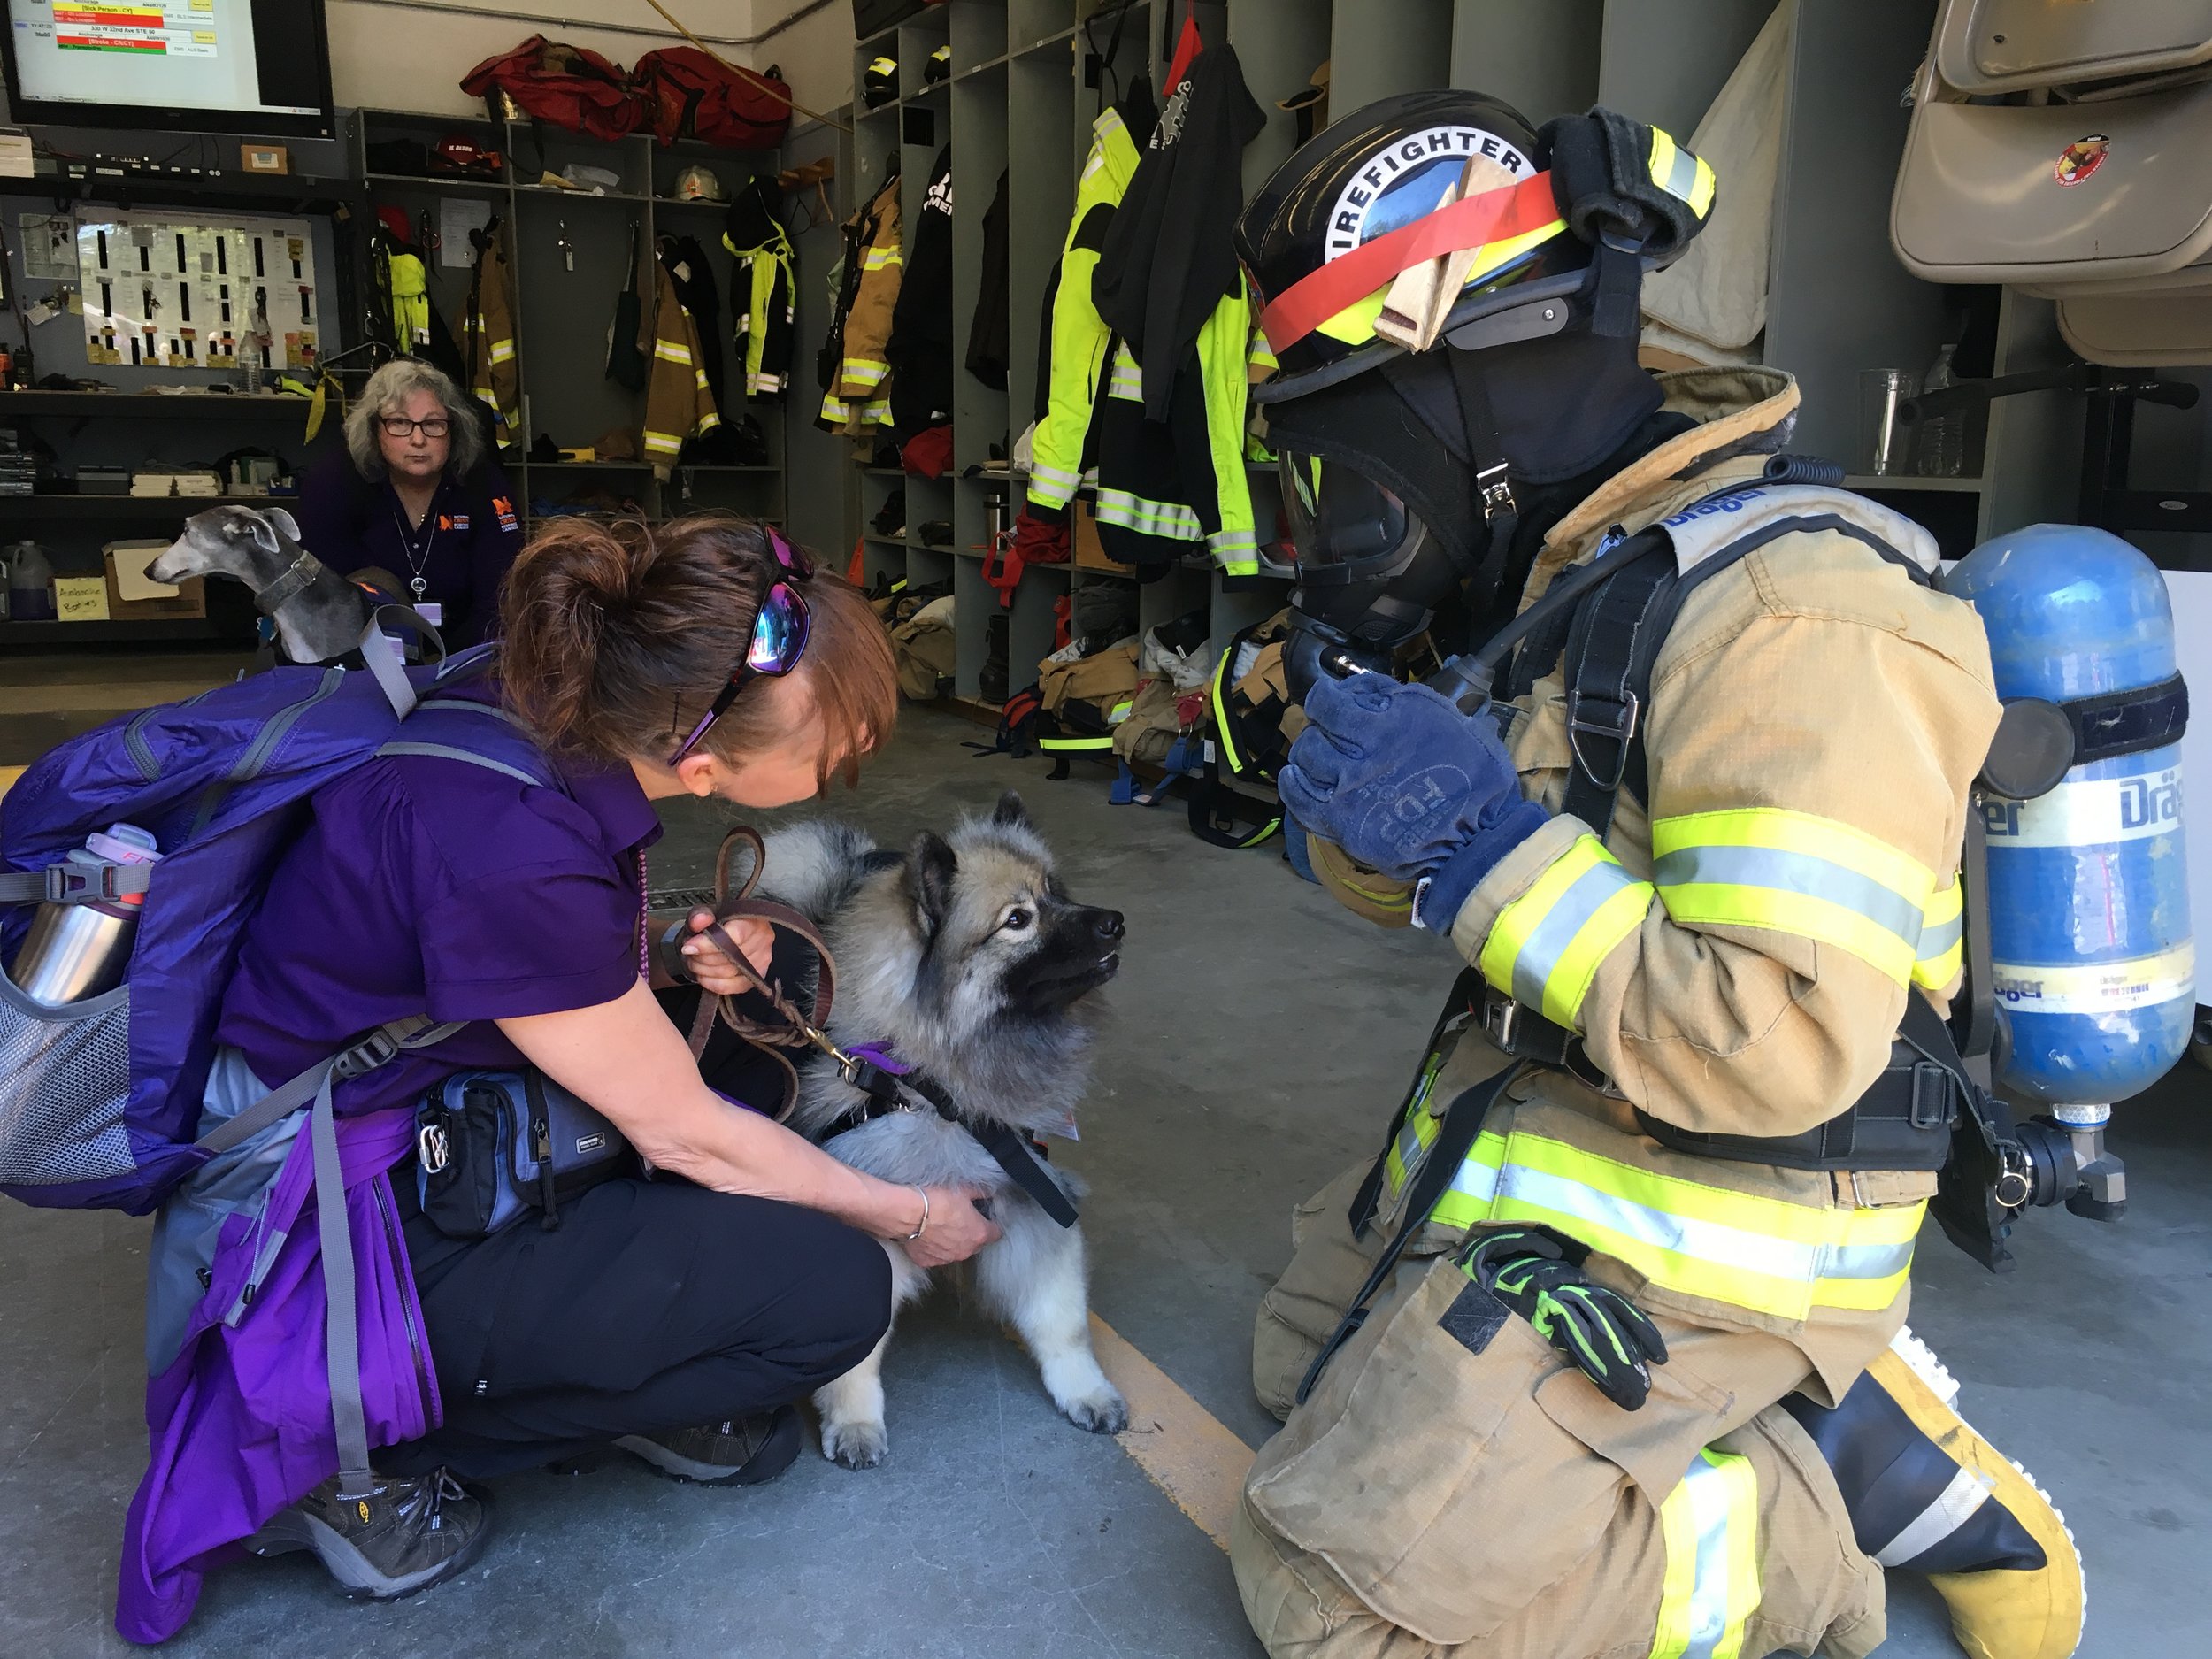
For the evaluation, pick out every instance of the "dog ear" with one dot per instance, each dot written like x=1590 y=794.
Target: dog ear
x=246 y=521
x=283 y=520
x=930 y=865
x=1009 y=813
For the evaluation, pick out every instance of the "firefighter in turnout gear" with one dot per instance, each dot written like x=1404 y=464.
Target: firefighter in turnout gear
x=1604 y=1353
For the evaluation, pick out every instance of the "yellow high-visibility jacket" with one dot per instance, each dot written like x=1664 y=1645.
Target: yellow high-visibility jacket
x=677 y=402
x=1079 y=335
x=1736 y=952
x=487 y=340
x=859 y=400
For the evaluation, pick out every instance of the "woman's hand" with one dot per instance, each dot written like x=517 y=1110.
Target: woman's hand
x=956 y=1229
x=755 y=939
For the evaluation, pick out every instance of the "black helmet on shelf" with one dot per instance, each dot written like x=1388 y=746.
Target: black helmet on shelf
x=879 y=81
x=1450 y=294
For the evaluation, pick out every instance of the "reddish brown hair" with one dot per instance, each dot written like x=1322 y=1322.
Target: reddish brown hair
x=617 y=635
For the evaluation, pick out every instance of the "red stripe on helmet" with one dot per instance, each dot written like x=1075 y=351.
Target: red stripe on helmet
x=1493 y=216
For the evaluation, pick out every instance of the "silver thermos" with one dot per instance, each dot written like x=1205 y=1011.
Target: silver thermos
x=75 y=951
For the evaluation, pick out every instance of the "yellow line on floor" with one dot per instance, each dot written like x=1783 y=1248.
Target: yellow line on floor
x=1181 y=1446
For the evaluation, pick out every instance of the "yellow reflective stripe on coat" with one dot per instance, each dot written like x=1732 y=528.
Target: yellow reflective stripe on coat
x=1418 y=1133
x=1937 y=958
x=1710 y=1522
x=1545 y=947
x=1680 y=173
x=877 y=258
x=1794 y=873
x=1766 y=1254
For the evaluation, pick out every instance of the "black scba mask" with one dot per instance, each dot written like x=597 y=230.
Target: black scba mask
x=1396 y=509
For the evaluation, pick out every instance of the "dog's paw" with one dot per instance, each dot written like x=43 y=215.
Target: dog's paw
x=1102 y=1410
x=855 y=1444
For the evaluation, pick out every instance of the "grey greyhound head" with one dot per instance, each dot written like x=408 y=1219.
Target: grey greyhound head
x=319 y=614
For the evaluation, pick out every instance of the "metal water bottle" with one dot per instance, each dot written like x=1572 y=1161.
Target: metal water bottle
x=76 y=951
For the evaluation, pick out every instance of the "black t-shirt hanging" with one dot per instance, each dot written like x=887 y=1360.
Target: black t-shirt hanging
x=989 y=352
x=920 y=350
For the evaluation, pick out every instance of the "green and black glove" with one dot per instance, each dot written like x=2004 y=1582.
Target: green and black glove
x=1538 y=1275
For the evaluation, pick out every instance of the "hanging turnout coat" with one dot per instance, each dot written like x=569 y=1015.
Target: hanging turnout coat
x=487 y=336
x=763 y=299
x=855 y=397
x=678 y=403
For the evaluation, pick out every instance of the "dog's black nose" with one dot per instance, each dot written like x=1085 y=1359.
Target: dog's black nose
x=1107 y=924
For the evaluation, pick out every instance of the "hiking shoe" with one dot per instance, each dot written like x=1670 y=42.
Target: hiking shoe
x=742 y=1452
x=405 y=1535
x=1928 y=1494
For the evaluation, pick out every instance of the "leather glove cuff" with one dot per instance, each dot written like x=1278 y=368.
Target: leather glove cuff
x=1447 y=888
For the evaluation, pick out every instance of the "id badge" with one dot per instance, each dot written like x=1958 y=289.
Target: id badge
x=432 y=612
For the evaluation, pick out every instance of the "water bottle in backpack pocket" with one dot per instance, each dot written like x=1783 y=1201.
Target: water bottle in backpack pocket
x=64 y=1014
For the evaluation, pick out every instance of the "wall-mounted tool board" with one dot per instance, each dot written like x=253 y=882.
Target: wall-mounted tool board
x=170 y=289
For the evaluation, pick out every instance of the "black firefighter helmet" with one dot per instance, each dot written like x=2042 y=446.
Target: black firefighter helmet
x=1451 y=297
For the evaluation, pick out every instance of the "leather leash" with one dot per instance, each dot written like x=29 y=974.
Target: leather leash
x=885 y=1089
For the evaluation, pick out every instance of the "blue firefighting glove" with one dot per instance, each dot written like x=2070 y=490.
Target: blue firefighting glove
x=1540 y=1276
x=1401 y=780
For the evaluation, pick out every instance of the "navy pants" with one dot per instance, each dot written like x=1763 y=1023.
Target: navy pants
x=655 y=1305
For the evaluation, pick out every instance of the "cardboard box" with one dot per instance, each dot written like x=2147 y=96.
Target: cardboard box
x=149 y=601
x=1088 y=555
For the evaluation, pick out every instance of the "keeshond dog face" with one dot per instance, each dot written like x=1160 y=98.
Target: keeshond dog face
x=1000 y=938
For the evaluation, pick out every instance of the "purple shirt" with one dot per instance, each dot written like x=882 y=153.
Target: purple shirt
x=425 y=886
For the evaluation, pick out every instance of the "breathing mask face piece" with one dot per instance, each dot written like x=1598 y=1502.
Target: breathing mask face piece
x=1370 y=573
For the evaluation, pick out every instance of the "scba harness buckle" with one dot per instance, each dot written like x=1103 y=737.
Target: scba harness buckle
x=1614 y=721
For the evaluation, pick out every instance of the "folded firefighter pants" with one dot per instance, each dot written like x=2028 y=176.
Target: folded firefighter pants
x=1453 y=1486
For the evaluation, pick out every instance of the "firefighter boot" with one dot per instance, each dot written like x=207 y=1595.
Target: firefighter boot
x=1929 y=1494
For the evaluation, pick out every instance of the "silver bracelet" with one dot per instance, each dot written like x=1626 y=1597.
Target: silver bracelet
x=923 y=1226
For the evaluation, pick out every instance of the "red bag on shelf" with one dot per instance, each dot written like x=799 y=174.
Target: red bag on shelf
x=691 y=94
x=568 y=86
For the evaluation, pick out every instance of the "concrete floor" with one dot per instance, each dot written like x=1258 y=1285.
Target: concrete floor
x=1261 y=1036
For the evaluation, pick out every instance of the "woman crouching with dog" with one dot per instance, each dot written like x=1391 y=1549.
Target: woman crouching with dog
x=678 y=1317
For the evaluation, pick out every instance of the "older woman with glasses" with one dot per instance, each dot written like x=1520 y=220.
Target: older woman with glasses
x=414 y=492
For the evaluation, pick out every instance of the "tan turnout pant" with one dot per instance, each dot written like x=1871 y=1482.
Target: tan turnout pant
x=1452 y=1485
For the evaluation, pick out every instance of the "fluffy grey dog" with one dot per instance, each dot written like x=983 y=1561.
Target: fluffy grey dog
x=319 y=614
x=964 y=958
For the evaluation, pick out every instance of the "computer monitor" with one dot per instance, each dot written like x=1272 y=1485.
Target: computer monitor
x=256 y=67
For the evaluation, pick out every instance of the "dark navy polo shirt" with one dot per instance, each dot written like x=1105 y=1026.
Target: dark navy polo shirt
x=463 y=547
x=425 y=886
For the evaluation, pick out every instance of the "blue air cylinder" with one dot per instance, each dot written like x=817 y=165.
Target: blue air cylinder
x=2088 y=897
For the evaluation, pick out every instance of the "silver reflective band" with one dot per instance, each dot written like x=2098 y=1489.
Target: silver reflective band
x=1783 y=871
x=1539 y=957
x=1710 y=1608
x=1714 y=1242
x=1681 y=180
x=1969 y=1490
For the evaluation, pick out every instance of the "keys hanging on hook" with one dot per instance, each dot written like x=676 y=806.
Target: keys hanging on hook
x=567 y=247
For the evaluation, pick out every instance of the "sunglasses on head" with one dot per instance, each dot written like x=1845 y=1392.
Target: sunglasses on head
x=779 y=637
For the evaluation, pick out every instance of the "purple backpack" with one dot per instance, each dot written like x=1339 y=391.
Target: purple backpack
x=100 y=1100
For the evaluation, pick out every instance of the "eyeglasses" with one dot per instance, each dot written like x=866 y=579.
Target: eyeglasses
x=400 y=426
x=779 y=637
